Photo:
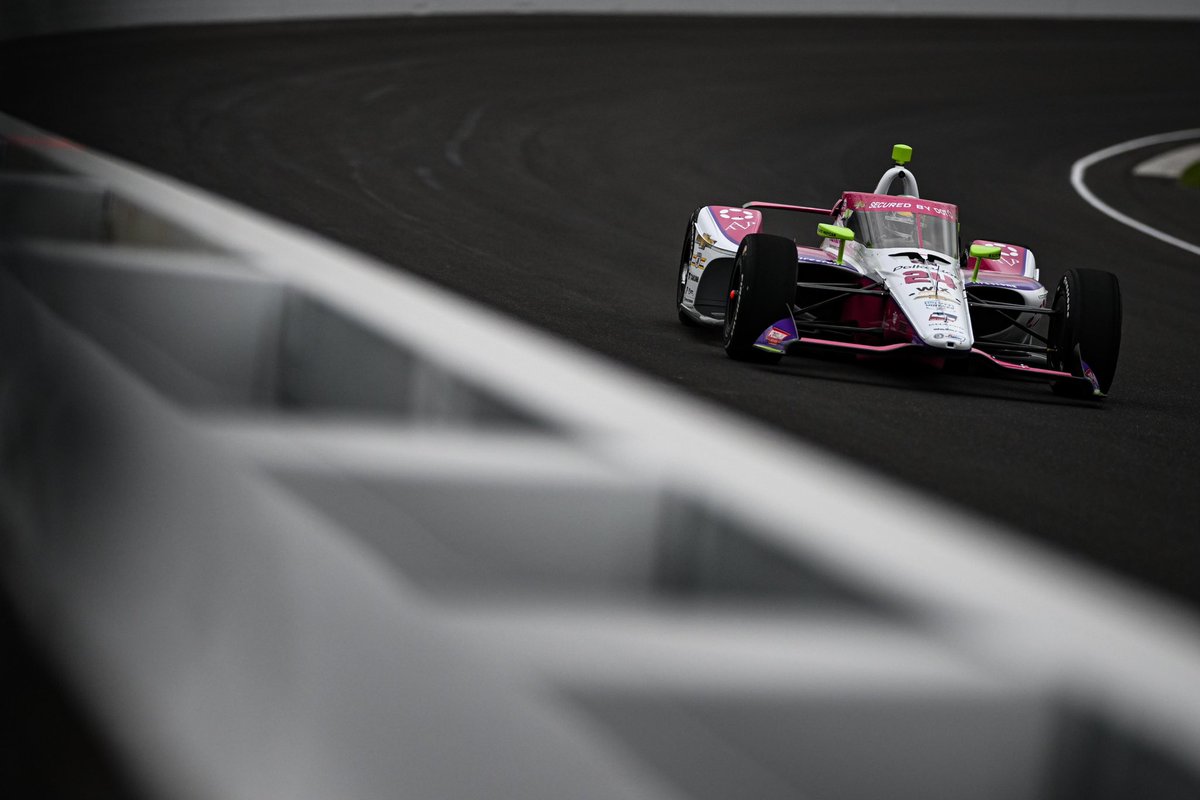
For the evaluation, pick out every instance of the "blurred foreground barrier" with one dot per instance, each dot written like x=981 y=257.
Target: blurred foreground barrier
x=297 y=525
x=33 y=17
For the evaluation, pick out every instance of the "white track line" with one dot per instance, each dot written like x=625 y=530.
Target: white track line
x=1080 y=167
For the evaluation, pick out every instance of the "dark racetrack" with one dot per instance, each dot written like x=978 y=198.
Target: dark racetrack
x=546 y=167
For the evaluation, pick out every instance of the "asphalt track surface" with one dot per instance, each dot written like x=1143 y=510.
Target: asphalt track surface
x=546 y=167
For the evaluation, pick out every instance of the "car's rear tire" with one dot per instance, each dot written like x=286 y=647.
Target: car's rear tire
x=762 y=287
x=685 y=258
x=1085 y=330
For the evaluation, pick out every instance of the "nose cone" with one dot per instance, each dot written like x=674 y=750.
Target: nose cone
x=935 y=306
x=928 y=289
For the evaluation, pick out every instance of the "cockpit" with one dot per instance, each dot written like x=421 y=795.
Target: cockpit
x=903 y=228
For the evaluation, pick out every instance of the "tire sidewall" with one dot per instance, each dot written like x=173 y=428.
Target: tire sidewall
x=762 y=287
x=1087 y=325
x=685 y=260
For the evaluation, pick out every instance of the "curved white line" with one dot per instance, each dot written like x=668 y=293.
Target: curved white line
x=1080 y=167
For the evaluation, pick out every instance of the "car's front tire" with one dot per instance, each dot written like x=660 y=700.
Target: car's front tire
x=762 y=287
x=685 y=258
x=1085 y=330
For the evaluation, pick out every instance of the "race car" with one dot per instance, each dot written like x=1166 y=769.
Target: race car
x=889 y=277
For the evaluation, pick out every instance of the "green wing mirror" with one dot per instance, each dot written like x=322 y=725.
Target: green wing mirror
x=843 y=235
x=980 y=252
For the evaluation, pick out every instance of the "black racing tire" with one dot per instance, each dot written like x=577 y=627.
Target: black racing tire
x=762 y=287
x=1086 y=329
x=685 y=258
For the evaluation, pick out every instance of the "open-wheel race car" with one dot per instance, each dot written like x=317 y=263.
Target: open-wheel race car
x=890 y=278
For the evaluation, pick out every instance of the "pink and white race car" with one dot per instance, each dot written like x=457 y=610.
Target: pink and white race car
x=889 y=278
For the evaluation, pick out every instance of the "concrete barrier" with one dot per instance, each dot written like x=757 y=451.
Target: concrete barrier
x=286 y=543
x=33 y=17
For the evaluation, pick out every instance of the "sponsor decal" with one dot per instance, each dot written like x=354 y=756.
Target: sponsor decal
x=777 y=335
x=910 y=206
x=864 y=201
x=1006 y=250
x=926 y=276
x=1010 y=256
x=922 y=266
x=735 y=223
x=933 y=299
x=944 y=327
x=1091 y=376
x=736 y=219
x=943 y=316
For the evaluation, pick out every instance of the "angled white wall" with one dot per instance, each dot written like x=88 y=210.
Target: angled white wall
x=287 y=544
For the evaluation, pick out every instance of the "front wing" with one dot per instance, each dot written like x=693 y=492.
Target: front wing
x=782 y=338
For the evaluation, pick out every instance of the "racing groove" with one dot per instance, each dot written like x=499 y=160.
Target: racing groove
x=546 y=167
